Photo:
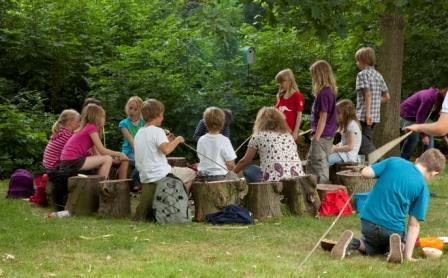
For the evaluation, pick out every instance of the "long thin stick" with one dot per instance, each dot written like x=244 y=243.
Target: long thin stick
x=242 y=144
x=304 y=132
x=378 y=153
x=193 y=149
x=326 y=232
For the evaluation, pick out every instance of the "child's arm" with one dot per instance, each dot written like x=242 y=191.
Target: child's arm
x=128 y=136
x=349 y=146
x=321 y=124
x=385 y=97
x=250 y=153
x=230 y=165
x=168 y=147
x=295 y=132
x=411 y=237
x=368 y=103
x=98 y=145
x=438 y=128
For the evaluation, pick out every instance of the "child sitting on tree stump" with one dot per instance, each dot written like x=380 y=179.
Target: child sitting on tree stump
x=215 y=151
x=394 y=196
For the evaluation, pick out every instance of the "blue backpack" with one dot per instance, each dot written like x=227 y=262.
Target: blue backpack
x=231 y=214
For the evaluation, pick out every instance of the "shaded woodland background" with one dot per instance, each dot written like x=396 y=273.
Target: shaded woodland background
x=186 y=53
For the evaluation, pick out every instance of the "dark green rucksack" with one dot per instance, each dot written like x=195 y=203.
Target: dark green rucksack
x=170 y=203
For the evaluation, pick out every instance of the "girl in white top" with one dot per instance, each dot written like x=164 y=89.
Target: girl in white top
x=275 y=146
x=347 y=150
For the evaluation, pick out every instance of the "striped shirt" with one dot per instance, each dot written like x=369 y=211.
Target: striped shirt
x=372 y=80
x=54 y=147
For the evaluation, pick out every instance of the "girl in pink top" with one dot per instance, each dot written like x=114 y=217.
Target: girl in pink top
x=75 y=154
x=62 y=130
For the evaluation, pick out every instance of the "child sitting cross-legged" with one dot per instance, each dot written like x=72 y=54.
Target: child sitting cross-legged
x=151 y=145
x=273 y=141
x=215 y=151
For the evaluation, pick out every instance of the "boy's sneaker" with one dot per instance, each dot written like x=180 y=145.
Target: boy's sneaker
x=395 y=254
x=339 y=250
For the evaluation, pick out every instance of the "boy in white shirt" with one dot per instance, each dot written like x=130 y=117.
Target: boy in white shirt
x=215 y=151
x=151 y=146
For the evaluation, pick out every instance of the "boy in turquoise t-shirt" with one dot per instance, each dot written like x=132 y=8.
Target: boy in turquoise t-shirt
x=401 y=190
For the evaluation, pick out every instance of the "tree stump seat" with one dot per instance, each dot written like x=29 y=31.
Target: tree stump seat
x=338 y=167
x=115 y=200
x=263 y=200
x=83 y=194
x=177 y=161
x=355 y=182
x=322 y=189
x=301 y=195
x=213 y=196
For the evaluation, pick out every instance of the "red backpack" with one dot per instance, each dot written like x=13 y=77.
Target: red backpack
x=333 y=203
x=40 y=195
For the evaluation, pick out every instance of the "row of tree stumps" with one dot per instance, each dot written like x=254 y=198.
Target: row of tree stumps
x=262 y=199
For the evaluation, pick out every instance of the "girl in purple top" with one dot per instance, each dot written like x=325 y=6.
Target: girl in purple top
x=323 y=119
x=75 y=154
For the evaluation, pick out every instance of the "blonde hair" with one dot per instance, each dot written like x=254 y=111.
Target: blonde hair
x=65 y=117
x=270 y=119
x=92 y=114
x=214 y=119
x=432 y=160
x=151 y=109
x=366 y=55
x=347 y=112
x=322 y=76
x=286 y=74
x=138 y=101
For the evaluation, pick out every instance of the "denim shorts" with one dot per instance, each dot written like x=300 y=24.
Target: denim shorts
x=376 y=238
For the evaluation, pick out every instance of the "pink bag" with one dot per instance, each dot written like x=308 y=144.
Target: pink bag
x=333 y=203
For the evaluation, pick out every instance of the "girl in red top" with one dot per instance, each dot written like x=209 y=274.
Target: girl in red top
x=290 y=100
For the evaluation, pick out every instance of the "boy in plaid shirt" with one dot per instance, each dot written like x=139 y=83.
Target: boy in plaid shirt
x=371 y=92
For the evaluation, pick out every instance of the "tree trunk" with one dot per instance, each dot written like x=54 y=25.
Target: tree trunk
x=322 y=189
x=83 y=195
x=337 y=168
x=301 y=195
x=355 y=182
x=115 y=200
x=210 y=197
x=391 y=67
x=144 y=211
x=263 y=200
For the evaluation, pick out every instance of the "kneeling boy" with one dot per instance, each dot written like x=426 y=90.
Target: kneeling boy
x=401 y=190
x=152 y=145
x=215 y=151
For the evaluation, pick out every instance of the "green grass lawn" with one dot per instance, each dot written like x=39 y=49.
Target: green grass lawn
x=87 y=246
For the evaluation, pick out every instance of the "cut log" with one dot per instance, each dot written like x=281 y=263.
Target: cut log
x=338 y=167
x=213 y=196
x=301 y=195
x=355 y=182
x=263 y=200
x=322 y=189
x=83 y=195
x=144 y=211
x=177 y=161
x=115 y=200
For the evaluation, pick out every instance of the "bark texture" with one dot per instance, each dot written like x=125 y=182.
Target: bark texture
x=263 y=200
x=115 y=200
x=83 y=195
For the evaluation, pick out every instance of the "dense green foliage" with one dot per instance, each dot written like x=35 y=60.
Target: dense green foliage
x=186 y=53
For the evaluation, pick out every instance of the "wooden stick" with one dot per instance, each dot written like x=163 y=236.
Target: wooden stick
x=326 y=232
x=304 y=132
x=242 y=144
x=378 y=153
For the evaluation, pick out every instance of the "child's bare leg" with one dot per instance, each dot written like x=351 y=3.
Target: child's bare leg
x=123 y=170
x=103 y=162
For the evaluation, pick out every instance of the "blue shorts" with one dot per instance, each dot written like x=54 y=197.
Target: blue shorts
x=376 y=238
